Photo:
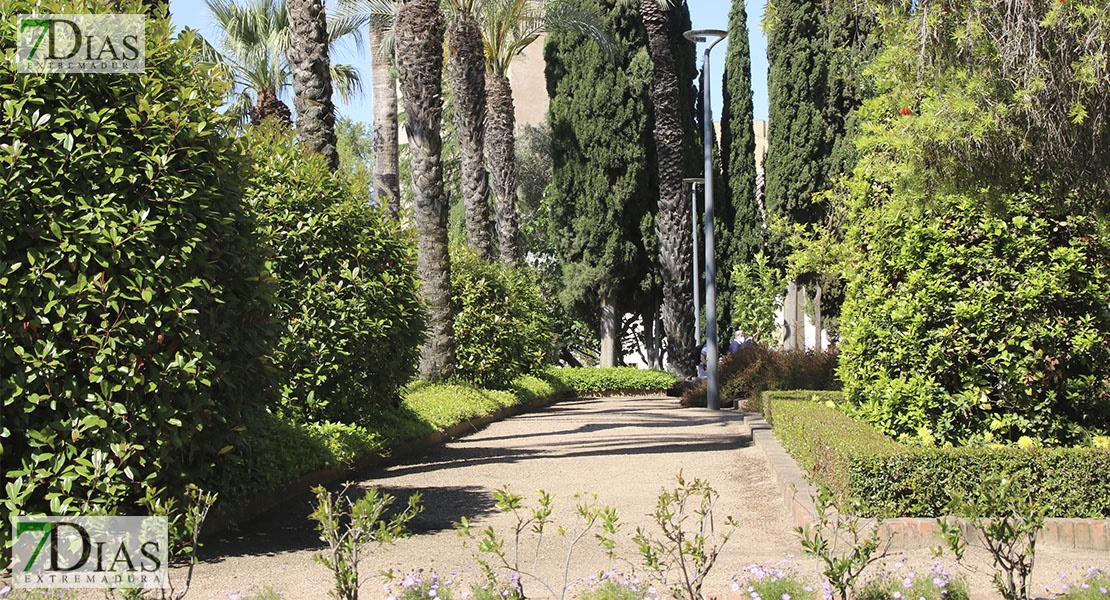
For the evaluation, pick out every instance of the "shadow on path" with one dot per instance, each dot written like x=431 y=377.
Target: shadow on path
x=567 y=430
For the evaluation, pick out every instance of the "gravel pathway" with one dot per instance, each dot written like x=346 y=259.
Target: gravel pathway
x=625 y=450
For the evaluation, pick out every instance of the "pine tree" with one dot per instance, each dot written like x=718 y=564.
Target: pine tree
x=600 y=193
x=741 y=222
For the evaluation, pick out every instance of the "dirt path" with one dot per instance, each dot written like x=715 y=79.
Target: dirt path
x=624 y=450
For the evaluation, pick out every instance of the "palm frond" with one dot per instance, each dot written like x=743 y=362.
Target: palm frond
x=347 y=81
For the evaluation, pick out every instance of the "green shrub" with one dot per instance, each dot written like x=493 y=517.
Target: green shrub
x=980 y=321
x=592 y=381
x=133 y=304
x=502 y=325
x=275 y=451
x=856 y=461
x=348 y=293
x=744 y=374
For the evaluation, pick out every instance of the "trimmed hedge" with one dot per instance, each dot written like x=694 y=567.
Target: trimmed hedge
x=592 y=381
x=857 y=461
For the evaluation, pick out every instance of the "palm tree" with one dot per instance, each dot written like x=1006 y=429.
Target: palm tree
x=311 y=68
x=381 y=16
x=419 y=45
x=466 y=73
x=508 y=27
x=673 y=222
x=252 y=48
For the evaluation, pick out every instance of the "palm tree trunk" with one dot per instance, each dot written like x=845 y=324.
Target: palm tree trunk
x=268 y=106
x=310 y=66
x=673 y=224
x=500 y=129
x=466 y=71
x=387 y=182
x=419 y=31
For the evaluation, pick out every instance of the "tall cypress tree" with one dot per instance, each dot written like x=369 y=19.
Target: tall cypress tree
x=600 y=192
x=816 y=50
x=798 y=141
x=741 y=222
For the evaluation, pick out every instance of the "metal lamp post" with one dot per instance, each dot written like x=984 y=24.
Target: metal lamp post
x=712 y=396
x=694 y=181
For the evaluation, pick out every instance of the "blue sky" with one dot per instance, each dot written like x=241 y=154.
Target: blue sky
x=706 y=14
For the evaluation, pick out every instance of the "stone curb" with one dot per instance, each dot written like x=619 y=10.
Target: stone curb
x=905 y=533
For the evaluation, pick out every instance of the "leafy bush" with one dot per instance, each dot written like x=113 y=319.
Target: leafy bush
x=744 y=374
x=856 y=461
x=973 y=323
x=275 y=451
x=502 y=326
x=591 y=381
x=348 y=294
x=133 y=305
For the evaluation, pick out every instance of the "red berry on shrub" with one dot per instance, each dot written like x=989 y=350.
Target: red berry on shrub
x=161 y=338
x=905 y=110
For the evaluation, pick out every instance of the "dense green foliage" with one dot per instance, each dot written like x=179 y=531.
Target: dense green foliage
x=738 y=210
x=744 y=374
x=1006 y=93
x=502 y=326
x=977 y=320
x=857 y=461
x=756 y=285
x=594 y=381
x=347 y=297
x=600 y=201
x=133 y=311
x=798 y=139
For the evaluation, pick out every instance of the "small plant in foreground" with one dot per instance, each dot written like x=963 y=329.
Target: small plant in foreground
x=418 y=585
x=690 y=541
x=773 y=582
x=347 y=525
x=905 y=584
x=1005 y=512
x=1095 y=585
x=588 y=516
x=266 y=593
x=840 y=543
x=615 y=586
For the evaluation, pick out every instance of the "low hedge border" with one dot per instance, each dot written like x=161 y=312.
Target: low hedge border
x=275 y=455
x=890 y=479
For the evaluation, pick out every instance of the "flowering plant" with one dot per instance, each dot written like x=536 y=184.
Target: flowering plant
x=780 y=581
x=903 y=583
x=418 y=585
x=1095 y=585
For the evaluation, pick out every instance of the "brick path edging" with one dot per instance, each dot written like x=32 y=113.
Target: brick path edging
x=906 y=533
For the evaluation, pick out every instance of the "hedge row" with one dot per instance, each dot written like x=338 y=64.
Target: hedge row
x=276 y=451
x=858 y=462
x=590 y=381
